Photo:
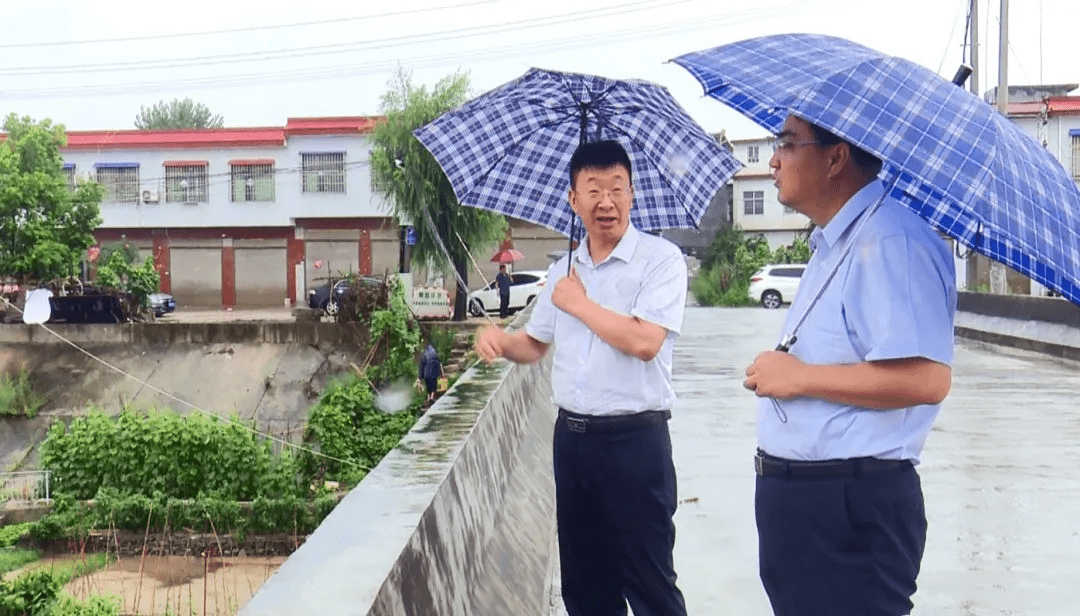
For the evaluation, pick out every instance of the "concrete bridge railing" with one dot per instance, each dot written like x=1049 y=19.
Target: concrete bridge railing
x=459 y=519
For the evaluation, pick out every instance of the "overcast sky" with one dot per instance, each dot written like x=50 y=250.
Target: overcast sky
x=91 y=65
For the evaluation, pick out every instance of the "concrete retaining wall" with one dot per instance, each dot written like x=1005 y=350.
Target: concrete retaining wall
x=1042 y=324
x=458 y=520
x=163 y=333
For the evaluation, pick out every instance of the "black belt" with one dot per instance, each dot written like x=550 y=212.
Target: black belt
x=576 y=422
x=766 y=465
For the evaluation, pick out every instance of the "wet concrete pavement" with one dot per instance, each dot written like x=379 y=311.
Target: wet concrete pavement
x=1000 y=471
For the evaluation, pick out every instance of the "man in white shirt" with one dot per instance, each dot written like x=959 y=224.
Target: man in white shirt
x=613 y=320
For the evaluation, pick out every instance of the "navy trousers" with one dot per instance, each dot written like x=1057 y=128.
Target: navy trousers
x=615 y=498
x=841 y=546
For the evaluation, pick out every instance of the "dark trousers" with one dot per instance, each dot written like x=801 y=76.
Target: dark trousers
x=615 y=498
x=840 y=546
x=504 y=305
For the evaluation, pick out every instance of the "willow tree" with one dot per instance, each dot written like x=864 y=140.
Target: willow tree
x=416 y=188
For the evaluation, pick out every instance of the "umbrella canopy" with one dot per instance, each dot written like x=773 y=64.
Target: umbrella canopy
x=508 y=151
x=957 y=162
x=507 y=255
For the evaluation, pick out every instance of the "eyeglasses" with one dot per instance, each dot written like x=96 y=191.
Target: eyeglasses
x=594 y=195
x=787 y=146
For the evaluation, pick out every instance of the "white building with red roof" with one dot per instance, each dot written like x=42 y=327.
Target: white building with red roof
x=242 y=217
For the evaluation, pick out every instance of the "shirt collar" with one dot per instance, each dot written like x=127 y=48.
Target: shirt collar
x=623 y=251
x=847 y=215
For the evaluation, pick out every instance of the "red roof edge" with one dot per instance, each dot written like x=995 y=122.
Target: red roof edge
x=252 y=161
x=332 y=125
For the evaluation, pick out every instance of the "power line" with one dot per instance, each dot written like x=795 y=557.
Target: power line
x=338 y=48
x=249 y=29
x=352 y=70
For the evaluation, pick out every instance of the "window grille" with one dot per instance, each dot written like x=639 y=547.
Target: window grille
x=121 y=184
x=323 y=172
x=252 y=183
x=186 y=184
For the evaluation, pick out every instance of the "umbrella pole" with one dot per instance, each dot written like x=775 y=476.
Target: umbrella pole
x=583 y=138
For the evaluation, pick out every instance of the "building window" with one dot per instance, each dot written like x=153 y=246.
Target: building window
x=121 y=181
x=1076 y=157
x=323 y=172
x=186 y=183
x=788 y=210
x=753 y=202
x=252 y=182
x=752 y=154
x=69 y=173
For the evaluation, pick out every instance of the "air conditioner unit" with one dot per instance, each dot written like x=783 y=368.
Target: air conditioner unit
x=148 y=195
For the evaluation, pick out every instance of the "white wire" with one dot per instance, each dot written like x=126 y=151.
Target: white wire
x=300 y=24
x=185 y=402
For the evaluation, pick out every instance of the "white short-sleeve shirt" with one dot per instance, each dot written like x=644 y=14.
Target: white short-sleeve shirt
x=644 y=277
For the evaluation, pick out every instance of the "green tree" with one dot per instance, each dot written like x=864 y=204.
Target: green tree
x=140 y=281
x=45 y=226
x=128 y=251
x=408 y=176
x=177 y=114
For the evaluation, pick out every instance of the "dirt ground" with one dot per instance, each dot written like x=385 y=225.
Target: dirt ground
x=159 y=585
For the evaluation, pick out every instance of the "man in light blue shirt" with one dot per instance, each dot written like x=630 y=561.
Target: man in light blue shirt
x=613 y=321
x=842 y=417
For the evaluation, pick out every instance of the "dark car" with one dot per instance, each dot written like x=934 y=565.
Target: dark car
x=320 y=298
x=162 y=304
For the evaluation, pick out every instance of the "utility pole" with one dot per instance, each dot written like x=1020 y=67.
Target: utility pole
x=997 y=270
x=973 y=26
x=1003 y=61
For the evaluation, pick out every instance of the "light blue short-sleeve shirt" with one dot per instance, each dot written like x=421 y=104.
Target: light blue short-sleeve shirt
x=645 y=277
x=893 y=297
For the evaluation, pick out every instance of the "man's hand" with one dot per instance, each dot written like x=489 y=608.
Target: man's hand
x=776 y=375
x=569 y=294
x=492 y=343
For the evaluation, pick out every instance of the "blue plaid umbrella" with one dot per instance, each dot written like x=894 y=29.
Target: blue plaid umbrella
x=508 y=151
x=957 y=162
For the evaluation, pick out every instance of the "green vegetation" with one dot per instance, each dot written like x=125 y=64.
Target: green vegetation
x=413 y=183
x=730 y=261
x=46 y=222
x=38 y=593
x=13 y=558
x=10 y=534
x=175 y=114
x=17 y=395
x=160 y=470
x=345 y=423
x=117 y=269
x=181 y=457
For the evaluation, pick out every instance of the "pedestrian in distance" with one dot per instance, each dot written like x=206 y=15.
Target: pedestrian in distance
x=430 y=371
x=502 y=280
x=613 y=319
x=842 y=417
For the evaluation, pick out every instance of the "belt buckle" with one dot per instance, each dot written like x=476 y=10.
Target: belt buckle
x=576 y=424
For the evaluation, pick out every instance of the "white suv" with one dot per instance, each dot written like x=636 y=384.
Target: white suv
x=773 y=285
x=524 y=286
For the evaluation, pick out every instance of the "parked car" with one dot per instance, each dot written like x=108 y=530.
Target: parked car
x=320 y=297
x=774 y=285
x=162 y=304
x=524 y=286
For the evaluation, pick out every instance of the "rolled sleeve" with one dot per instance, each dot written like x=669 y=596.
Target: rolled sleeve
x=541 y=325
x=662 y=296
x=899 y=300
